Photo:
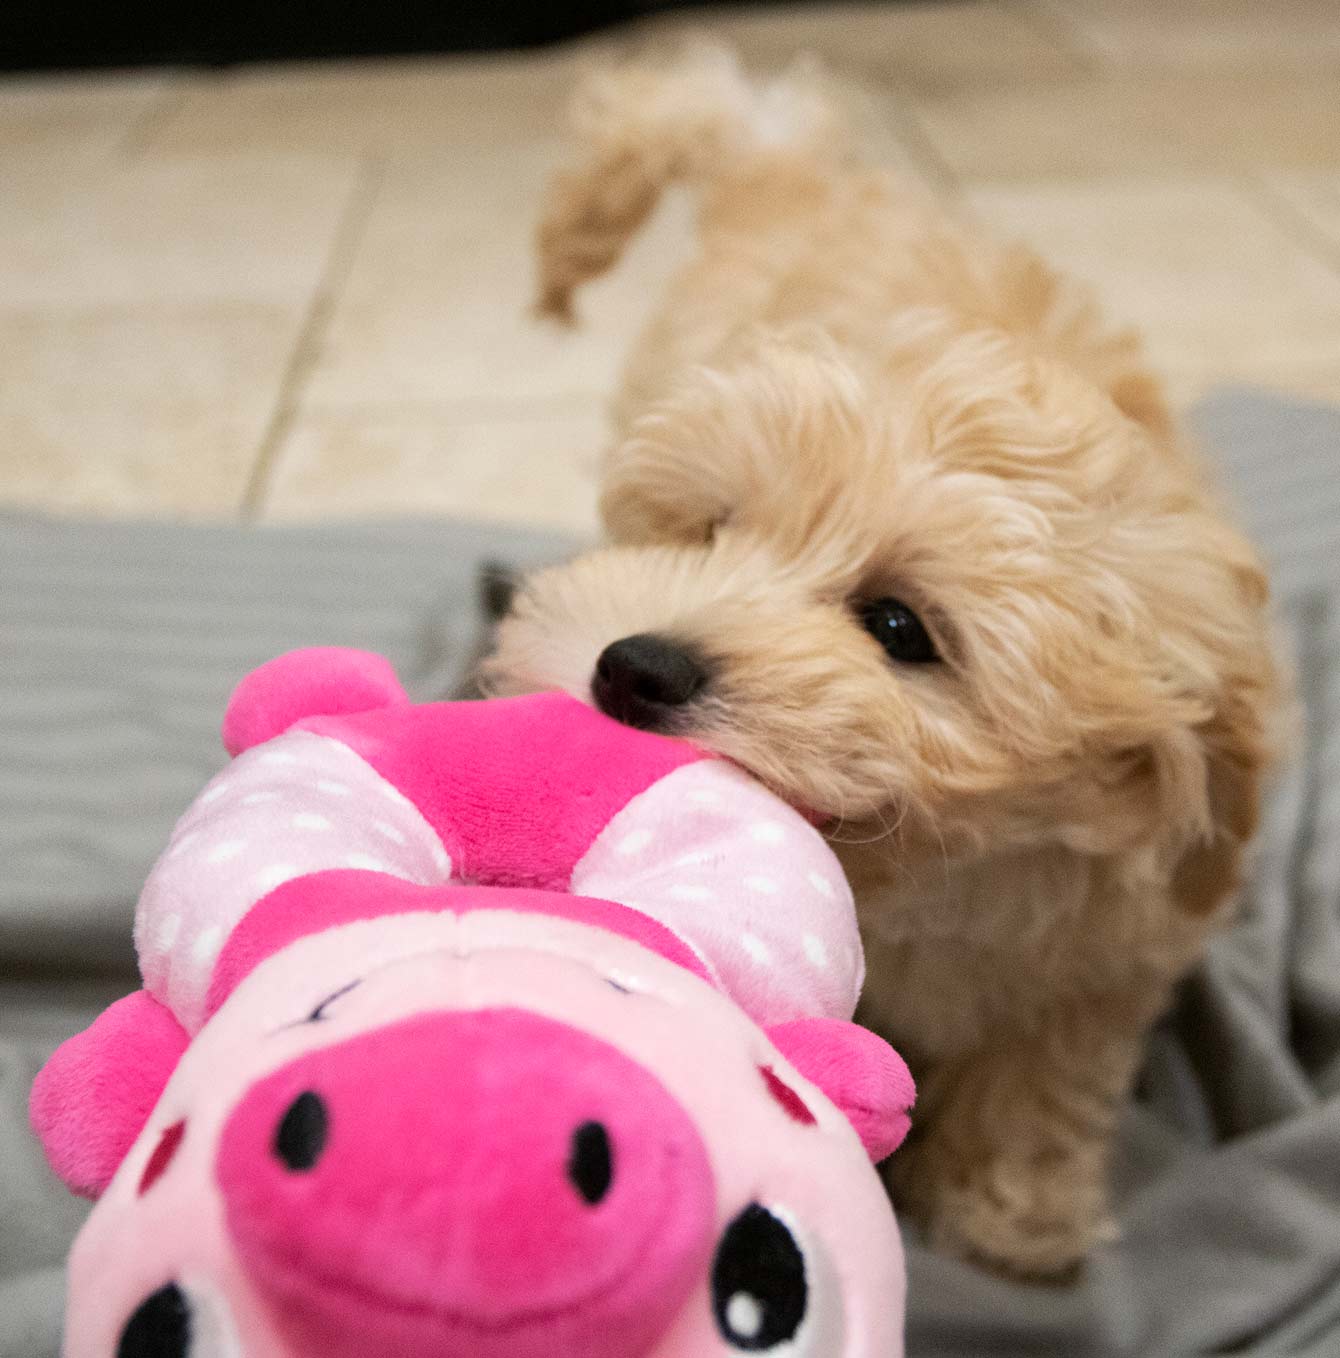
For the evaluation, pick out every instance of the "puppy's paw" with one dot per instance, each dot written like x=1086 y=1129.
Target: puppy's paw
x=1035 y=1222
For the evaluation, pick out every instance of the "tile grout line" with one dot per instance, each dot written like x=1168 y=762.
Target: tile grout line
x=909 y=131
x=1058 y=26
x=884 y=106
x=348 y=235
x=1314 y=240
x=135 y=142
x=468 y=409
x=1084 y=41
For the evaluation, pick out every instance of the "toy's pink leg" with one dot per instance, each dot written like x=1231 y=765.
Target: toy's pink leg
x=744 y=880
x=92 y=1098
x=296 y=805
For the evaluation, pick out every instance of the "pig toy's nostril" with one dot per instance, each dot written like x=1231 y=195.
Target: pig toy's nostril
x=301 y=1135
x=591 y=1163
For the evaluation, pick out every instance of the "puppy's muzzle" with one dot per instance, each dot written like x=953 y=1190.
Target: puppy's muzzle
x=646 y=680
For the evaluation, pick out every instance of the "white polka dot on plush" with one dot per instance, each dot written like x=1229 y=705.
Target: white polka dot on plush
x=367 y=861
x=226 y=850
x=633 y=842
x=259 y=798
x=211 y=794
x=278 y=757
x=183 y=842
x=767 y=832
x=333 y=789
x=764 y=886
x=165 y=935
x=269 y=878
x=388 y=832
x=206 y=946
x=441 y=858
x=686 y=892
x=822 y=885
x=310 y=820
x=757 y=949
x=815 y=949
x=744 y=1316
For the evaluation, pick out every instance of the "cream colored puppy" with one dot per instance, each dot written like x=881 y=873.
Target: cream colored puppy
x=902 y=527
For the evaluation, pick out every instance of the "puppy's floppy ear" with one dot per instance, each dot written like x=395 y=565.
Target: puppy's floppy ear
x=1236 y=756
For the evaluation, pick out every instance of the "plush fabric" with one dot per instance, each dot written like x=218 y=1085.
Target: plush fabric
x=743 y=878
x=534 y=791
x=298 y=804
x=559 y=769
x=326 y=680
x=857 y=1070
x=92 y=1098
x=324 y=900
x=437 y=1149
x=435 y=1103
x=454 y=1210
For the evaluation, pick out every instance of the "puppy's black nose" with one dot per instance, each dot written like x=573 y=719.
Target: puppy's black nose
x=641 y=680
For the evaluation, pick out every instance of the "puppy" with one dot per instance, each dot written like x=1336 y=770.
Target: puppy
x=903 y=528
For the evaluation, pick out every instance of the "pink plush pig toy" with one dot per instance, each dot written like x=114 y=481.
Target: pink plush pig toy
x=480 y=1030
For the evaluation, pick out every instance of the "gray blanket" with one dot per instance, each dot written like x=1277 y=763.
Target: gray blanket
x=119 y=643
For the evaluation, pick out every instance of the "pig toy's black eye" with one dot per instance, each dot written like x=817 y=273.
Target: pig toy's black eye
x=759 y=1287
x=159 y=1328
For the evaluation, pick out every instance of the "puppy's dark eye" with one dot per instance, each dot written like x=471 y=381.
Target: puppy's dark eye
x=898 y=630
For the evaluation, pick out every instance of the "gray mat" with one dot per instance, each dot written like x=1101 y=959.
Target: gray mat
x=118 y=645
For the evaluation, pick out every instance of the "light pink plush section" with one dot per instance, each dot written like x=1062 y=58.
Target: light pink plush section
x=298 y=804
x=746 y=881
x=328 y=899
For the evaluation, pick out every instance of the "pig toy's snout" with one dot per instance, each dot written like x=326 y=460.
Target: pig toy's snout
x=487 y=1184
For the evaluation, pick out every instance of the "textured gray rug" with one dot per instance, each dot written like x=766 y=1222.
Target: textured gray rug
x=119 y=644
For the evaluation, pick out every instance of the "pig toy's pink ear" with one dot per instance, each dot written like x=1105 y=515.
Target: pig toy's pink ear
x=318 y=681
x=858 y=1071
x=92 y=1099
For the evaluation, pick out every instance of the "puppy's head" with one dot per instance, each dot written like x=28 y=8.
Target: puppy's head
x=988 y=610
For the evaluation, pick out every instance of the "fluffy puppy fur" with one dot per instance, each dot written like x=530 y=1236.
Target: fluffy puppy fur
x=849 y=397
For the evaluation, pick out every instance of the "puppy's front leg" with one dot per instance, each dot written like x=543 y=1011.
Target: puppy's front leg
x=1009 y=1165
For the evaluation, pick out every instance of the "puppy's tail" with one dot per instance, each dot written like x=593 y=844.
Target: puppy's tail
x=645 y=127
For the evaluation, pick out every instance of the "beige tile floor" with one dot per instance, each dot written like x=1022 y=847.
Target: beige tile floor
x=295 y=292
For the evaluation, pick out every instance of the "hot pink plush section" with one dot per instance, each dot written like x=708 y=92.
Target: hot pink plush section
x=317 y=680
x=324 y=900
x=522 y=785
x=859 y=1072
x=487 y=1184
x=92 y=1098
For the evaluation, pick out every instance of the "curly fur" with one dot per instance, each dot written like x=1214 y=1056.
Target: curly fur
x=848 y=395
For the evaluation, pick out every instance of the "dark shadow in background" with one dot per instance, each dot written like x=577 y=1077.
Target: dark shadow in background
x=37 y=34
